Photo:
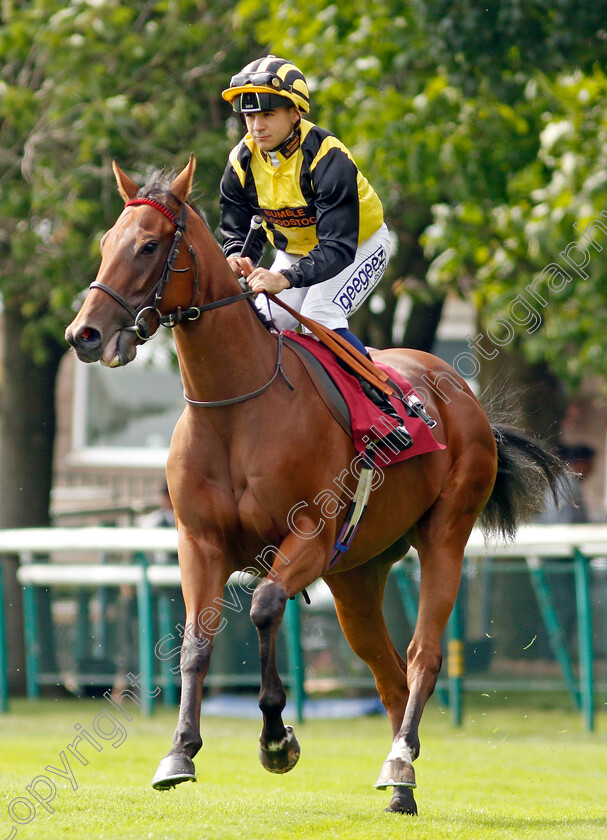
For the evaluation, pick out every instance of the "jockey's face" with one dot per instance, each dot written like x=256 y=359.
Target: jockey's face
x=271 y=128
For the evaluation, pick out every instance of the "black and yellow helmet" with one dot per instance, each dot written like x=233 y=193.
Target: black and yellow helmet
x=265 y=84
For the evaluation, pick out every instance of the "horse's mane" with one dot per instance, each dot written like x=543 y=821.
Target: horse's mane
x=158 y=187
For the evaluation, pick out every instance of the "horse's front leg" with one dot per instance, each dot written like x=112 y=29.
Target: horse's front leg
x=203 y=577
x=278 y=746
x=297 y=564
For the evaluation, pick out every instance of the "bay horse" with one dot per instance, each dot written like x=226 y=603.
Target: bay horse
x=256 y=443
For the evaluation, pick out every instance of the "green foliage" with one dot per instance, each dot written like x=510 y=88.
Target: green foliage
x=503 y=42
x=82 y=83
x=498 y=250
x=481 y=125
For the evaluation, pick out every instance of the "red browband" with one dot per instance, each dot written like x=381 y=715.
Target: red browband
x=164 y=210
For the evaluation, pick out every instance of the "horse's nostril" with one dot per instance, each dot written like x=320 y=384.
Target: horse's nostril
x=89 y=337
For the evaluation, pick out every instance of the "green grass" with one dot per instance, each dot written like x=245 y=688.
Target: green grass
x=514 y=770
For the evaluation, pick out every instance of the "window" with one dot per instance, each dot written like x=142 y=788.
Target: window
x=126 y=416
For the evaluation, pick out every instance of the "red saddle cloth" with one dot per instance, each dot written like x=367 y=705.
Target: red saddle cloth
x=368 y=422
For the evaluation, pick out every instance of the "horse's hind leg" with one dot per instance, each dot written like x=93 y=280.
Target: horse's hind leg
x=441 y=558
x=358 y=595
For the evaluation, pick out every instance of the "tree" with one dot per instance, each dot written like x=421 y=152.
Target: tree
x=502 y=43
x=82 y=83
x=534 y=263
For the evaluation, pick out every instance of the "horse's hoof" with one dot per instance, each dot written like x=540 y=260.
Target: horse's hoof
x=396 y=772
x=280 y=756
x=172 y=770
x=402 y=802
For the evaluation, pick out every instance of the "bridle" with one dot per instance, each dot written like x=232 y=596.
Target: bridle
x=152 y=300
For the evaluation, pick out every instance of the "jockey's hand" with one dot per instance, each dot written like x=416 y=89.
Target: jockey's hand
x=262 y=280
x=241 y=266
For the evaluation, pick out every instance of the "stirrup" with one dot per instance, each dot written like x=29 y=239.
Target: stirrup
x=399 y=438
x=415 y=406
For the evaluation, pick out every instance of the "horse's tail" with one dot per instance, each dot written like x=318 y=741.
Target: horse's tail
x=526 y=472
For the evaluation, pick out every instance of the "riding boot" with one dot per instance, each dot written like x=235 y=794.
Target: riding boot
x=399 y=437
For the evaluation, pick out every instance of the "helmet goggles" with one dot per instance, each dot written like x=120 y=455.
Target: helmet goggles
x=260 y=79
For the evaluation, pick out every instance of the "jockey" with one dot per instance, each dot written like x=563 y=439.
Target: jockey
x=319 y=211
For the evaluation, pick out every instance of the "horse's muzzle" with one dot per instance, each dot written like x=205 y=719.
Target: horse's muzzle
x=91 y=346
x=87 y=342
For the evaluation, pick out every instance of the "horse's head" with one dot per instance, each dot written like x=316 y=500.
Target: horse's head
x=138 y=258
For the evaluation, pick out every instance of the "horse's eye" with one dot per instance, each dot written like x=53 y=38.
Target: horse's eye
x=149 y=247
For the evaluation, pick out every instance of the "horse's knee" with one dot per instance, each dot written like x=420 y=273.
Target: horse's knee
x=268 y=604
x=195 y=655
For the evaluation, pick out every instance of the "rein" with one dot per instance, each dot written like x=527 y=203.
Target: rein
x=140 y=326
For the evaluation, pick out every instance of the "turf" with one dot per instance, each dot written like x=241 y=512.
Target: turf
x=514 y=770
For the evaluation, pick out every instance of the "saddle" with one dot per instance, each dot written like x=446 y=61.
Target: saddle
x=354 y=411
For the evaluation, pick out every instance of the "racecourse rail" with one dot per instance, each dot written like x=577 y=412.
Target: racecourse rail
x=150 y=549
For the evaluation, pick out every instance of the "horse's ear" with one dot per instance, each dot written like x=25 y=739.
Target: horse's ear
x=127 y=188
x=182 y=184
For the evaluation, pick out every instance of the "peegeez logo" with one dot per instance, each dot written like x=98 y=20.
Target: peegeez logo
x=364 y=278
